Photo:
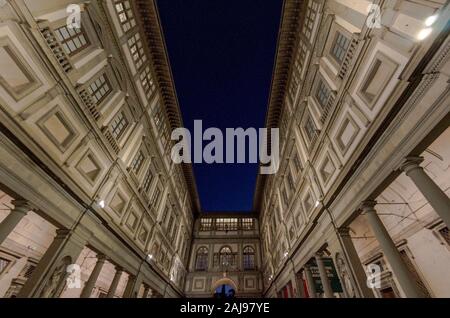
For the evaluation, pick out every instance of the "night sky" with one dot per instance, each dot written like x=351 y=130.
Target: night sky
x=222 y=55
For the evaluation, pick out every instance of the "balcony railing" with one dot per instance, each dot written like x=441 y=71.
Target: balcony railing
x=348 y=57
x=56 y=48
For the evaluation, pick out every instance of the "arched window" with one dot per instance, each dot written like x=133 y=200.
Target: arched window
x=249 y=258
x=201 y=261
x=225 y=256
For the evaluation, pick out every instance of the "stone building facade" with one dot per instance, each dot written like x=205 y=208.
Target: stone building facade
x=93 y=206
x=362 y=101
x=86 y=174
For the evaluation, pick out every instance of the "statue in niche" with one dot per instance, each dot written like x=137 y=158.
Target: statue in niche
x=57 y=280
x=347 y=285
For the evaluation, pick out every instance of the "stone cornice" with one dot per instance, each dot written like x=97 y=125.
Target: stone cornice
x=150 y=22
x=286 y=46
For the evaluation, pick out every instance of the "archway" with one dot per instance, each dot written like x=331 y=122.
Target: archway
x=224 y=288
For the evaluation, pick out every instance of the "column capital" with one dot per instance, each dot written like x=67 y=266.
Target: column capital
x=368 y=206
x=319 y=255
x=344 y=231
x=101 y=258
x=411 y=163
x=21 y=205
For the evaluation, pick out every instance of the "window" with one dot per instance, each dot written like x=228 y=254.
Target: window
x=201 y=261
x=72 y=40
x=155 y=198
x=99 y=89
x=247 y=224
x=230 y=224
x=297 y=162
x=284 y=196
x=310 y=128
x=3 y=264
x=158 y=116
x=148 y=180
x=340 y=47
x=118 y=125
x=137 y=163
x=310 y=18
x=444 y=232
x=137 y=50
x=249 y=258
x=226 y=257
x=125 y=13
x=323 y=93
x=147 y=82
x=206 y=224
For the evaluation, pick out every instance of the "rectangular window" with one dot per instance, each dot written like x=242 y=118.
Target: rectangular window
x=147 y=82
x=137 y=50
x=444 y=232
x=148 y=180
x=310 y=18
x=310 y=128
x=158 y=117
x=118 y=125
x=340 y=47
x=72 y=40
x=247 y=224
x=155 y=198
x=323 y=93
x=206 y=224
x=99 y=89
x=125 y=14
x=137 y=163
x=297 y=162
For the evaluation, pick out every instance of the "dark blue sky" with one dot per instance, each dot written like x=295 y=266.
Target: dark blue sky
x=222 y=55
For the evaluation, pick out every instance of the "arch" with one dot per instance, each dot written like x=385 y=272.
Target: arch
x=248 y=258
x=201 y=259
x=224 y=281
x=226 y=256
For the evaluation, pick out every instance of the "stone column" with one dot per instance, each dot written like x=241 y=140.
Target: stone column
x=146 y=291
x=90 y=284
x=430 y=190
x=326 y=285
x=310 y=280
x=133 y=286
x=115 y=283
x=401 y=272
x=355 y=265
x=65 y=245
x=21 y=208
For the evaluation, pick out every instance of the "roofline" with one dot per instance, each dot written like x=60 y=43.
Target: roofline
x=148 y=12
x=286 y=47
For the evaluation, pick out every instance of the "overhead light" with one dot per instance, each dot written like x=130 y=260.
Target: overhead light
x=102 y=204
x=424 y=33
x=317 y=203
x=150 y=257
x=286 y=254
x=431 y=20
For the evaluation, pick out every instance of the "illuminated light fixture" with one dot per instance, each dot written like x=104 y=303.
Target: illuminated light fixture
x=102 y=204
x=317 y=203
x=431 y=20
x=424 y=33
x=286 y=254
x=150 y=257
